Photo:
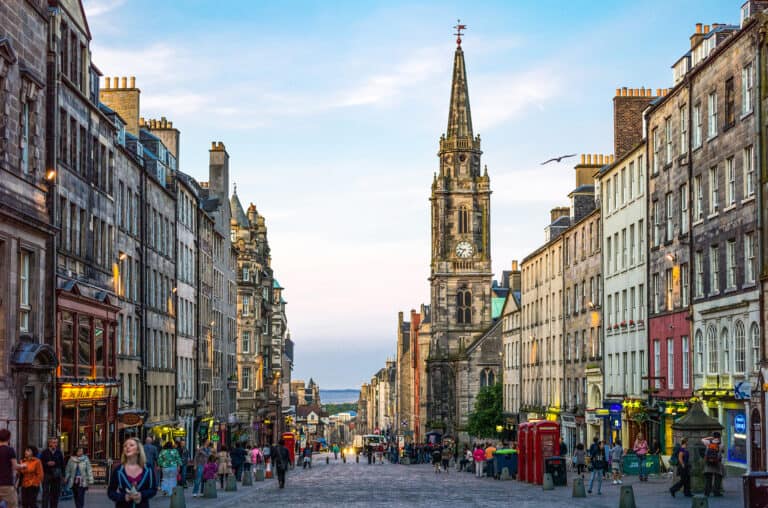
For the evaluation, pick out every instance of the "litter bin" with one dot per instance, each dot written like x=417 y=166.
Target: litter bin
x=505 y=458
x=556 y=467
x=756 y=489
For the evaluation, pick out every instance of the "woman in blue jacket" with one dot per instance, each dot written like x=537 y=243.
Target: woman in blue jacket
x=133 y=483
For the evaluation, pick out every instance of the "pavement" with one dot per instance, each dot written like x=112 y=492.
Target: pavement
x=388 y=485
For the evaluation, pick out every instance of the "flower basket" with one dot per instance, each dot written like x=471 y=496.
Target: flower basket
x=631 y=322
x=623 y=324
x=615 y=327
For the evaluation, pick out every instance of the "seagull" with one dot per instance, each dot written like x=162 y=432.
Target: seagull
x=558 y=159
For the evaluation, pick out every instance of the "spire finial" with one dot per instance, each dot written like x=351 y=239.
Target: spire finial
x=235 y=189
x=459 y=27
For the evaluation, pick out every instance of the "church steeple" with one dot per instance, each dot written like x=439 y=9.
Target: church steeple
x=459 y=114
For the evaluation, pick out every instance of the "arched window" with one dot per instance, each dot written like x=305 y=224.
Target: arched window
x=464 y=306
x=463 y=220
x=699 y=352
x=726 y=345
x=754 y=339
x=712 y=349
x=739 y=349
x=491 y=378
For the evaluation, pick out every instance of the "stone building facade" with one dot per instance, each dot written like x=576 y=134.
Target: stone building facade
x=405 y=382
x=129 y=174
x=27 y=322
x=511 y=339
x=461 y=261
x=187 y=312
x=81 y=146
x=623 y=238
x=724 y=227
x=223 y=291
x=582 y=346
x=254 y=282
x=542 y=323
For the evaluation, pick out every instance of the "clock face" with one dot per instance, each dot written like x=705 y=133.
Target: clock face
x=464 y=249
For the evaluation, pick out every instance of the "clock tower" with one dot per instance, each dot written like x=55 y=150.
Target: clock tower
x=460 y=275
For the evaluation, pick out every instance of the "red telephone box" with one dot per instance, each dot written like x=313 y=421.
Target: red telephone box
x=523 y=455
x=290 y=443
x=545 y=443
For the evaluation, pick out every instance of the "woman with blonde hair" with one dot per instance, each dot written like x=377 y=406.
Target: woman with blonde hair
x=133 y=483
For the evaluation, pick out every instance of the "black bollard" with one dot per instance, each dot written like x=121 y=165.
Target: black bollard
x=327 y=460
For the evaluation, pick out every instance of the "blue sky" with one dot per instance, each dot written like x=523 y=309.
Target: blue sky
x=331 y=113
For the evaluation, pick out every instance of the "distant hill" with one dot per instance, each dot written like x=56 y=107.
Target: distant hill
x=338 y=396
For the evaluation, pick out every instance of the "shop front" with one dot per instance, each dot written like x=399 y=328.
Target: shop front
x=87 y=387
x=87 y=415
x=166 y=432
x=635 y=418
x=129 y=424
x=732 y=415
x=595 y=420
x=670 y=411
x=612 y=423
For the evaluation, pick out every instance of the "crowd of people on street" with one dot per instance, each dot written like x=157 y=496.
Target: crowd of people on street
x=145 y=470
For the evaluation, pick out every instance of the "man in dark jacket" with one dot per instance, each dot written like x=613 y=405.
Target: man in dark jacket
x=238 y=460
x=281 y=459
x=53 y=472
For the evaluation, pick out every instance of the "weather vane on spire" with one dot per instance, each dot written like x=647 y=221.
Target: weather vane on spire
x=459 y=27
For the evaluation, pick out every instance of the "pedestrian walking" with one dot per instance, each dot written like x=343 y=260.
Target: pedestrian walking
x=210 y=470
x=713 y=465
x=580 y=459
x=184 y=453
x=617 y=455
x=335 y=450
x=151 y=452
x=641 y=450
x=133 y=483
x=8 y=467
x=436 y=457
x=78 y=476
x=478 y=456
x=446 y=457
x=237 y=456
x=281 y=459
x=684 y=470
x=53 y=472
x=201 y=459
x=225 y=464
x=257 y=457
x=489 y=451
x=307 y=457
x=597 y=463
x=563 y=447
x=31 y=472
x=169 y=461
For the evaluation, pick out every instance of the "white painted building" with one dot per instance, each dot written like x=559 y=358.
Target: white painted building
x=624 y=220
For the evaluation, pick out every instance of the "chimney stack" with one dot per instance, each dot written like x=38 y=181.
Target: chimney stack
x=123 y=100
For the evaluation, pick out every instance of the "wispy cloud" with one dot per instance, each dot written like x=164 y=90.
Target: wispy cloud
x=95 y=8
x=497 y=98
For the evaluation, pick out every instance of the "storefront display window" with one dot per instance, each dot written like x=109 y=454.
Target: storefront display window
x=737 y=436
x=98 y=346
x=84 y=347
x=67 y=356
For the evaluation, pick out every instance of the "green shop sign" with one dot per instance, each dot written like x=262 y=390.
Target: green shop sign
x=631 y=464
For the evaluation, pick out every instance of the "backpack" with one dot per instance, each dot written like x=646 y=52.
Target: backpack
x=673 y=460
x=712 y=453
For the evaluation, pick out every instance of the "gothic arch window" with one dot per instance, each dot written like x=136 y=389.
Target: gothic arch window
x=464 y=306
x=712 y=350
x=463 y=220
x=699 y=348
x=754 y=339
x=739 y=348
x=487 y=378
x=726 y=345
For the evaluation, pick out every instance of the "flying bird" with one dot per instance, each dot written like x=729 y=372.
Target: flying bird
x=558 y=159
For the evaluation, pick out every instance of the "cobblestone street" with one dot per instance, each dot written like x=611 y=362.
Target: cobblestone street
x=351 y=484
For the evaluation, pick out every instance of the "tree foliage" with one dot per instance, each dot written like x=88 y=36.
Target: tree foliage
x=487 y=415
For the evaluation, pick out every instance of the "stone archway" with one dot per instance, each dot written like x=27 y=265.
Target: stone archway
x=33 y=366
